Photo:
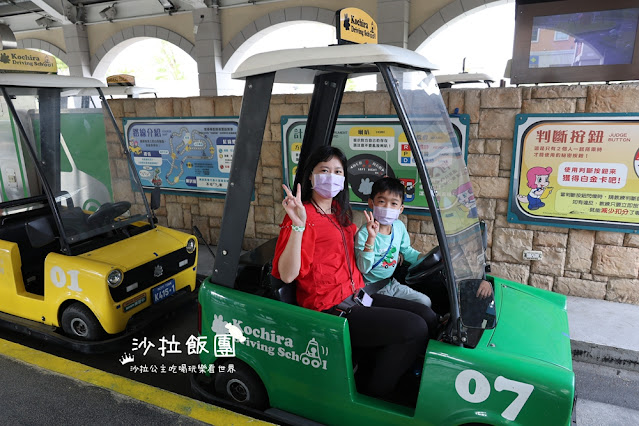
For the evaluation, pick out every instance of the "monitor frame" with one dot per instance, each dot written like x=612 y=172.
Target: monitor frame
x=524 y=15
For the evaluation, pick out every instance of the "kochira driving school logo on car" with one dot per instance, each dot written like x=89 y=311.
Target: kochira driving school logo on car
x=268 y=341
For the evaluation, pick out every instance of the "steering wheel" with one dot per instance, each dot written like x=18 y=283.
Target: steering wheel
x=425 y=267
x=107 y=213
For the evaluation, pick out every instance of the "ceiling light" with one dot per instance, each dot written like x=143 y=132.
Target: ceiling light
x=168 y=6
x=109 y=13
x=45 y=22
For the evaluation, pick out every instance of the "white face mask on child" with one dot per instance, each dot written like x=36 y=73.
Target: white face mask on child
x=385 y=215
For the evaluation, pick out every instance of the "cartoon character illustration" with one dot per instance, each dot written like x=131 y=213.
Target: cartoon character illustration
x=235 y=332
x=537 y=180
x=135 y=148
x=465 y=196
x=312 y=349
x=366 y=186
x=219 y=325
x=312 y=354
x=409 y=194
x=157 y=180
x=388 y=260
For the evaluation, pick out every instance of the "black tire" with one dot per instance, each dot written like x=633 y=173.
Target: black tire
x=243 y=386
x=79 y=322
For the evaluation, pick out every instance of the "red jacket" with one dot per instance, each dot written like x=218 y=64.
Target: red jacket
x=325 y=277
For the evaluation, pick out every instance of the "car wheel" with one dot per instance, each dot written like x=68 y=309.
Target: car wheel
x=79 y=322
x=242 y=385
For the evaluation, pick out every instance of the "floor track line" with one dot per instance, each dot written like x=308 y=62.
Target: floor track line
x=160 y=398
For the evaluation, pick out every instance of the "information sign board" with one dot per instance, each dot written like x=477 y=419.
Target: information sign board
x=576 y=171
x=182 y=154
x=375 y=147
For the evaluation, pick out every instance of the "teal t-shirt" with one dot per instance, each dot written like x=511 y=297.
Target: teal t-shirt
x=385 y=268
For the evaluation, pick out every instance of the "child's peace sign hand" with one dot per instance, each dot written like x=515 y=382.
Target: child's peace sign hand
x=372 y=226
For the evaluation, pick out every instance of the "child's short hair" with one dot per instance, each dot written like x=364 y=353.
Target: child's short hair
x=393 y=185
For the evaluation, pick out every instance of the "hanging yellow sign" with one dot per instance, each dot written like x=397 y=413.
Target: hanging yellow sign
x=355 y=26
x=24 y=60
x=121 y=80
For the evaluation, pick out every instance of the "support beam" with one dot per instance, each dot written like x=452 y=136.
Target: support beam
x=208 y=51
x=393 y=23
x=60 y=10
x=198 y=4
x=77 y=43
x=90 y=14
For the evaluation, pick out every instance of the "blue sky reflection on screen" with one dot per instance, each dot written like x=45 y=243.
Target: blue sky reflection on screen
x=579 y=39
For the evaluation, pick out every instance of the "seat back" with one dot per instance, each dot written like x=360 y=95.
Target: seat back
x=283 y=292
x=17 y=228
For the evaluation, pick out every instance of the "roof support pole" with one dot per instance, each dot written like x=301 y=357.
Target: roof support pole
x=322 y=116
x=248 y=145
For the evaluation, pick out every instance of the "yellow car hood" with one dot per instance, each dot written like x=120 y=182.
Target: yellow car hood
x=137 y=250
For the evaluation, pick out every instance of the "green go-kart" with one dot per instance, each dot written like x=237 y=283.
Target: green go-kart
x=500 y=360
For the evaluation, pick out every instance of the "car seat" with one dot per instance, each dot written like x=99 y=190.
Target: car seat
x=284 y=292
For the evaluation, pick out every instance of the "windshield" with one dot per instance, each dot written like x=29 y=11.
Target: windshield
x=70 y=145
x=445 y=168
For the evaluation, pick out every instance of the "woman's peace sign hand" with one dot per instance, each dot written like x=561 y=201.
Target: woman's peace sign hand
x=294 y=207
x=372 y=226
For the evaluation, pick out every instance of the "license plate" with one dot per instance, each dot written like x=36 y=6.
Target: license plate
x=163 y=291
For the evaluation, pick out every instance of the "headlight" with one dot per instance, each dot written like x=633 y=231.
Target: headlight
x=114 y=278
x=190 y=246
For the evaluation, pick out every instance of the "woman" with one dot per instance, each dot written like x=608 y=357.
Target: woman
x=315 y=248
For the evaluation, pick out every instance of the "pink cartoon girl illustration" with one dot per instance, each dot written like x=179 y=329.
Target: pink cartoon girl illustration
x=465 y=196
x=538 y=180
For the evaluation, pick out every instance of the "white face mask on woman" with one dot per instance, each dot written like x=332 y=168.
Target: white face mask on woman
x=385 y=215
x=328 y=185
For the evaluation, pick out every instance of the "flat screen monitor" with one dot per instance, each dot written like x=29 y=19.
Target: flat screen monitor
x=576 y=41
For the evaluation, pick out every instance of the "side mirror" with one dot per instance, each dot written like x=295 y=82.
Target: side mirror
x=477 y=310
x=40 y=232
x=155 y=198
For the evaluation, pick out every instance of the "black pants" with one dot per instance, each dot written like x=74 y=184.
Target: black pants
x=396 y=330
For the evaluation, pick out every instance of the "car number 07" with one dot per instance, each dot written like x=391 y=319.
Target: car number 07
x=482 y=391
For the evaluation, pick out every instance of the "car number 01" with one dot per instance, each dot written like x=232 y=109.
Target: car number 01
x=59 y=278
x=482 y=391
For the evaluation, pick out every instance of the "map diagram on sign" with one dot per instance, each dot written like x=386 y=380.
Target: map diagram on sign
x=185 y=146
x=183 y=154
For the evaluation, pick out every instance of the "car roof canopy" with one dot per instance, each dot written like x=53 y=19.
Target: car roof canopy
x=110 y=91
x=23 y=84
x=301 y=65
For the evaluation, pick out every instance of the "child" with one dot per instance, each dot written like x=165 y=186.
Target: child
x=383 y=238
